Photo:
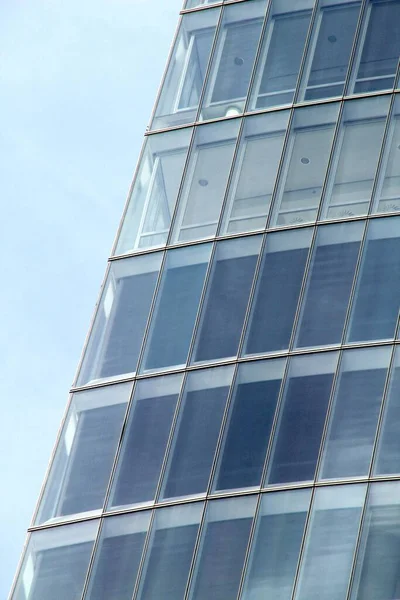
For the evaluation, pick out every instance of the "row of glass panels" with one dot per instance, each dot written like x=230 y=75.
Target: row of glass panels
x=293 y=289
x=261 y=54
x=297 y=544
x=277 y=169
x=274 y=422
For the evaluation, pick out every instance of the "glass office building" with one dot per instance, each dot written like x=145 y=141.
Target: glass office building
x=233 y=432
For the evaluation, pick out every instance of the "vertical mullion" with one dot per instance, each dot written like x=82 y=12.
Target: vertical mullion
x=306 y=532
x=196 y=550
x=358 y=44
x=358 y=543
x=307 y=45
x=253 y=529
x=145 y=550
x=89 y=570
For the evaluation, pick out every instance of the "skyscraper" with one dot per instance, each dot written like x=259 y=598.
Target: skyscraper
x=233 y=430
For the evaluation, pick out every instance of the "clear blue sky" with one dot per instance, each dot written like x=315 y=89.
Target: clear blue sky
x=77 y=83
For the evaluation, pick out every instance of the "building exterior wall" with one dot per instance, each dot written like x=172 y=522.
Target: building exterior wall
x=233 y=430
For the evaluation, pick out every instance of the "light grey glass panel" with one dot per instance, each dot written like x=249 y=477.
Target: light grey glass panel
x=329 y=50
x=274 y=306
x=176 y=307
x=247 y=432
x=196 y=434
x=205 y=182
x=233 y=60
x=330 y=543
x=377 y=297
x=222 y=548
x=377 y=575
x=155 y=189
x=255 y=171
x=379 y=47
x=329 y=284
x=194 y=3
x=301 y=419
x=145 y=440
x=226 y=299
x=116 y=337
x=81 y=469
x=388 y=188
x=355 y=412
x=55 y=563
x=181 y=89
x=118 y=557
x=282 y=49
x=276 y=546
x=304 y=168
x=169 y=553
x=388 y=453
x=356 y=158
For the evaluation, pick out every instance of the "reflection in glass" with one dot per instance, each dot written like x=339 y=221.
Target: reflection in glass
x=274 y=306
x=226 y=298
x=205 y=182
x=196 y=434
x=256 y=166
x=302 y=417
x=116 y=337
x=304 y=168
x=330 y=543
x=329 y=284
x=276 y=546
x=155 y=189
x=145 y=440
x=388 y=189
x=222 y=548
x=355 y=412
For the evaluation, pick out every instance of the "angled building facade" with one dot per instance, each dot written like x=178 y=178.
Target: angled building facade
x=233 y=430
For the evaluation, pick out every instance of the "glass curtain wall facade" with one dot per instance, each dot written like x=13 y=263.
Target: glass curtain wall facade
x=233 y=430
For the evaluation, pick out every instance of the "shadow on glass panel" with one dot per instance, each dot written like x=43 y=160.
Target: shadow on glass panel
x=181 y=89
x=355 y=161
x=281 y=53
x=276 y=546
x=205 y=182
x=305 y=164
x=145 y=441
x=118 y=557
x=254 y=175
x=233 y=61
x=55 y=563
x=81 y=468
x=155 y=189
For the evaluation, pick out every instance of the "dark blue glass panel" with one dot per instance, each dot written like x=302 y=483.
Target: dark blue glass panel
x=388 y=456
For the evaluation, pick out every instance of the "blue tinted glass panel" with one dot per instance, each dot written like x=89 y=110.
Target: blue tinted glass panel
x=388 y=454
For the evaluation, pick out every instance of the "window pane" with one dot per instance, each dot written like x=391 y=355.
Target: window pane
x=379 y=47
x=329 y=284
x=304 y=169
x=282 y=50
x=247 y=432
x=388 y=189
x=355 y=162
x=377 y=298
x=388 y=454
x=145 y=440
x=222 y=548
x=176 y=307
x=79 y=475
x=277 y=292
x=378 y=560
x=301 y=420
x=115 y=340
x=227 y=298
x=155 y=189
x=55 y=563
x=354 y=417
x=329 y=50
x=255 y=171
x=196 y=434
x=118 y=557
x=181 y=89
x=330 y=543
x=206 y=178
x=233 y=60
x=169 y=554
x=276 y=546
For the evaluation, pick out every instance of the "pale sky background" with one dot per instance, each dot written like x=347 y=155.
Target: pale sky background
x=78 y=79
